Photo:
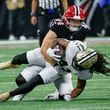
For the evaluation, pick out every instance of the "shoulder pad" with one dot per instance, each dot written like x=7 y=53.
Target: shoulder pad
x=84 y=25
x=57 y=22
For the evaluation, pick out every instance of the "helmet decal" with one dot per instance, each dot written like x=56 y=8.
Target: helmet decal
x=86 y=58
x=74 y=12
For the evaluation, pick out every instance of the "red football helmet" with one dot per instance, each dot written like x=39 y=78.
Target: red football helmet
x=73 y=12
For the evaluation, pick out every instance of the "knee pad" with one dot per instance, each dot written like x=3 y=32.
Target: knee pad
x=20 y=80
x=20 y=59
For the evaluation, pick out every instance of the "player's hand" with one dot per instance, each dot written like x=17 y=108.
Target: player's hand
x=52 y=53
x=34 y=20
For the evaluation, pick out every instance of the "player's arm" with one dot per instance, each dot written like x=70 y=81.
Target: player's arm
x=57 y=48
x=79 y=88
x=34 y=6
x=49 y=38
x=64 y=4
x=61 y=41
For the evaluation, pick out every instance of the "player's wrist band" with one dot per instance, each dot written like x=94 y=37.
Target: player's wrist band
x=32 y=14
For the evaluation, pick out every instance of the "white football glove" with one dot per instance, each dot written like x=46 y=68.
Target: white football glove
x=51 y=52
x=51 y=97
x=55 y=96
x=67 y=97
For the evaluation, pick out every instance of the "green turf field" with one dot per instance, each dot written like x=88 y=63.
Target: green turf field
x=95 y=97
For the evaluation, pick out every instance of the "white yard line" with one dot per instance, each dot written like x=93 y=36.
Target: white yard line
x=5 y=83
x=93 y=108
x=89 y=39
x=6 y=42
x=99 y=80
x=2 y=76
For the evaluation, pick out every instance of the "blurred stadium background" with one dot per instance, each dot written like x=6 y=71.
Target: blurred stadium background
x=23 y=27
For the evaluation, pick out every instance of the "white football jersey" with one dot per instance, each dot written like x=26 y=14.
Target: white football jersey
x=72 y=49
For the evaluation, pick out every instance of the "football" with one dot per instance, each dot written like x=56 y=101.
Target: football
x=61 y=50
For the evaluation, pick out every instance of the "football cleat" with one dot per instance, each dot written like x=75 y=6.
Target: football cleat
x=18 y=97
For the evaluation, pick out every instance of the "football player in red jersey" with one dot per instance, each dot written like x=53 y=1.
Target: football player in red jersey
x=71 y=27
x=37 y=65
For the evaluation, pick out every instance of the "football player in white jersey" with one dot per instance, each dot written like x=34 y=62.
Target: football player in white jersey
x=84 y=62
x=37 y=63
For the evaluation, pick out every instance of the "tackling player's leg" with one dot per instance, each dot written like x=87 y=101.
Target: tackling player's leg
x=26 y=75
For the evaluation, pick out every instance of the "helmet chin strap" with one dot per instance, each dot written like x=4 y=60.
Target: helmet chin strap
x=73 y=28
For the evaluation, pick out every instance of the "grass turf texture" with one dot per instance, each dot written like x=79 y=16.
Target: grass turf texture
x=95 y=97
